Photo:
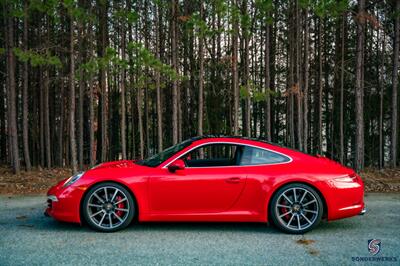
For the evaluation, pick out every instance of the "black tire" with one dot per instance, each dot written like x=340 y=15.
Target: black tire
x=106 y=208
x=300 y=217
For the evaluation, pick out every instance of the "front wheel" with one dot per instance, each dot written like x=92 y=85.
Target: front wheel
x=108 y=207
x=296 y=208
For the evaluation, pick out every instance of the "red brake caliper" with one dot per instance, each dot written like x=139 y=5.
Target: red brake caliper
x=120 y=206
x=284 y=210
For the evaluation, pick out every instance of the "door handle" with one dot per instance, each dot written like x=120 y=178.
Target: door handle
x=233 y=180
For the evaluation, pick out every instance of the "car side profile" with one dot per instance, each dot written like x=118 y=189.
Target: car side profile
x=212 y=179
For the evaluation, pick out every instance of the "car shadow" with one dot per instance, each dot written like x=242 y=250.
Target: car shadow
x=203 y=226
x=38 y=222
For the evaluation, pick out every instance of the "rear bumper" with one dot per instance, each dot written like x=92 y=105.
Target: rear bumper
x=345 y=199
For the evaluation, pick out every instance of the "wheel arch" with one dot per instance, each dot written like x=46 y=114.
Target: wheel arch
x=325 y=213
x=136 y=215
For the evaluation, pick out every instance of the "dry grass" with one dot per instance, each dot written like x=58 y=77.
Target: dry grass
x=386 y=180
x=34 y=182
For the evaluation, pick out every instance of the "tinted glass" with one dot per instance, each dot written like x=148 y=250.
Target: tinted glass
x=161 y=157
x=213 y=155
x=254 y=156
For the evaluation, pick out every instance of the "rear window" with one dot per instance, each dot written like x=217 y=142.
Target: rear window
x=255 y=156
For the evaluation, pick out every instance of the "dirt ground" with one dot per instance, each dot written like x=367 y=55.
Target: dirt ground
x=39 y=181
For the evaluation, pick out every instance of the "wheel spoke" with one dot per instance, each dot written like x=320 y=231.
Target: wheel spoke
x=97 y=196
x=94 y=205
x=119 y=218
x=298 y=222
x=294 y=193
x=287 y=198
x=120 y=201
x=105 y=192
x=94 y=214
x=290 y=220
x=305 y=210
x=102 y=218
x=280 y=216
x=109 y=217
x=115 y=194
x=283 y=206
x=302 y=198
x=308 y=203
x=305 y=217
x=120 y=209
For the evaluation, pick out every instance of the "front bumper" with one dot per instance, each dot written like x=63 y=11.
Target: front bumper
x=63 y=204
x=364 y=211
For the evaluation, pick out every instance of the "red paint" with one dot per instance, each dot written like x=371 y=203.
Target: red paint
x=234 y=193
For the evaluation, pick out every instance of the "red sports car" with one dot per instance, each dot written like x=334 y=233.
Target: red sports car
x=218 y=179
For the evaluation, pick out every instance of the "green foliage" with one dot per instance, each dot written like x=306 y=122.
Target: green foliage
x=2 y=51
x=329 y=8
x=142 y=57
x=197 y=23
x=127 y=16
x=37 y=59
x=48 y=7
x=245 y=23
x=255 y=92
x=265 y=9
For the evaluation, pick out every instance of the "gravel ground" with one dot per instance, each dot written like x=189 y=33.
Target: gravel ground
x=27 y=237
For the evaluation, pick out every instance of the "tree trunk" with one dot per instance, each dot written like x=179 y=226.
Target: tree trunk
x=174 y=53
x=12 y=98
x=341 y=107
x=25 y=133
x=246 y=77
x=201 y=76
x=320 y=86
x=72 y=138
x=299 y=94
x=47 y=139
x=306 y=79
x=122 y=85
x=235 y=74
x=359 y=116
x=82 y=53
x=158 y=83
x=380 y=87
x=395 y=82
x=103 y=79
x=267 y=84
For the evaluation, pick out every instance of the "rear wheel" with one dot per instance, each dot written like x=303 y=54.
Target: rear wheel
x=296 y=208
x=108 y=207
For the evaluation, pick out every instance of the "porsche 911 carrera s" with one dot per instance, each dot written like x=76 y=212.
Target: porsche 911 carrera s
x=211 y=179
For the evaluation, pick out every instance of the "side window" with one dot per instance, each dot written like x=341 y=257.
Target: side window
x=255 y=156
x=213 y=155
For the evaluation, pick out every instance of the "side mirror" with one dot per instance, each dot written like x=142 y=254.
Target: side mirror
x=177 y=165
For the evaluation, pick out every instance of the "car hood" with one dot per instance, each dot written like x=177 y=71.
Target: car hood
x=116 y=164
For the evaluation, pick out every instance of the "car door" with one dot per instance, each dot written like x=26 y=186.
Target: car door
x=211 y=182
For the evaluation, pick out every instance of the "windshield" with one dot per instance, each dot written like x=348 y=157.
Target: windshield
x=161 y=157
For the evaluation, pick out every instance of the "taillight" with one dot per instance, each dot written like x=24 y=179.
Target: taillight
x=347 y=179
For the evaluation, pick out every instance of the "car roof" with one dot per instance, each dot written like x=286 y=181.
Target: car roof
x=217 y=136
x=232 y=137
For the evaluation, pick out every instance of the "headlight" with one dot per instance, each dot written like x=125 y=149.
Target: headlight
x=73 y=179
